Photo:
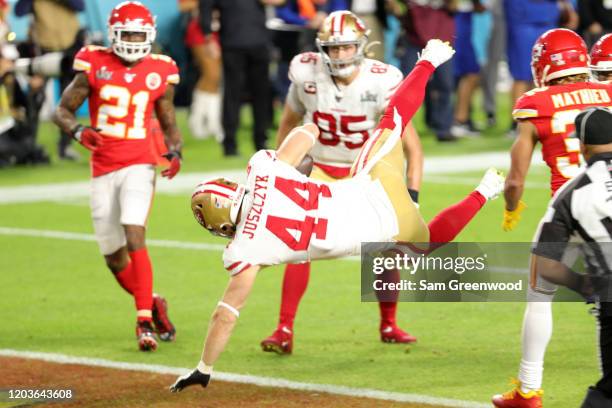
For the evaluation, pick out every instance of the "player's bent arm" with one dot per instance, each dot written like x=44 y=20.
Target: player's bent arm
x=520 y=154
x=225 y=315
x=73 y=97
x=413 y=151
x=164 y=110
x=297 y=144
x=289 y=120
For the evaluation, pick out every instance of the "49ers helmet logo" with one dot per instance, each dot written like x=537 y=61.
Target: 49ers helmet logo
x=153 y=81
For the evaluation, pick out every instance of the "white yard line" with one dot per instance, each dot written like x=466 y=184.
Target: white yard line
x=161 y=243
x=247 y=379
x=76 y=236
x=186 y=182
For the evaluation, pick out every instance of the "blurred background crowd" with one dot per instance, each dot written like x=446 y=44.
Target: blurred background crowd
x=232 y=52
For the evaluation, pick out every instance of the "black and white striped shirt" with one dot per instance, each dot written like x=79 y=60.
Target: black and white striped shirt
x=581 y=211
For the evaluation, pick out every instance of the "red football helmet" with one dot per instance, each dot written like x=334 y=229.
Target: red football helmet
x=558 y=53
x=131 y=17
x=601 y=58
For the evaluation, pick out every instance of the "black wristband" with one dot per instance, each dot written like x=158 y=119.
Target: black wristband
x=76 y=132
x=414 y=194
x=172 y=154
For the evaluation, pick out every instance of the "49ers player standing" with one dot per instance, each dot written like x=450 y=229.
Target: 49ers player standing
x=124 y=84
x=560 y=65
x=343 y=94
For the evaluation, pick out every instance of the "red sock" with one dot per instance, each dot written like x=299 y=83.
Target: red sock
x=387 y=299
x=126 y=278
x=450 y=222
x=143 y=292
x=387 y=313
x=295 y=282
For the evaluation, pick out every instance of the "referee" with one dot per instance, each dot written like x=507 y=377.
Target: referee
x=580 y=215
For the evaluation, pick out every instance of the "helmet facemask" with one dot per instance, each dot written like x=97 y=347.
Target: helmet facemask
x=127 y=50
x=216 y=205
x=602 y=72
x=342 y=68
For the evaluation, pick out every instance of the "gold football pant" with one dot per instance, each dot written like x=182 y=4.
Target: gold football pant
x=382 y=158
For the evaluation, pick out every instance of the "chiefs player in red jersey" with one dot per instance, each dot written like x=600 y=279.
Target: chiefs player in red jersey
x=560 y=65
x=124 y=84
x=601 y=59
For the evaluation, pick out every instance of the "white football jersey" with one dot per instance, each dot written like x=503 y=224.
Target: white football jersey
x=346 y=115
x=287 y=217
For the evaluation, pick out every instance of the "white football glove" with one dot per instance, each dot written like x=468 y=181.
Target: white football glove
x=437 y=52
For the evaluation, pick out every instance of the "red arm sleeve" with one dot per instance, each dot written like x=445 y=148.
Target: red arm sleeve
x=409 y=96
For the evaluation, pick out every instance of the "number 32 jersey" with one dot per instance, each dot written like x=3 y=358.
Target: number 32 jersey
x=346 y=116
x=287 y=217
x=553 y=110
x=121 y=104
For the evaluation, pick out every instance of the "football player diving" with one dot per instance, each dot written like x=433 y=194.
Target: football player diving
x=281 y=216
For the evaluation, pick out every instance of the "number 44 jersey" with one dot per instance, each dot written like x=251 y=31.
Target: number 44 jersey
x=287 y=217
x=552 y=110
x=121 y=102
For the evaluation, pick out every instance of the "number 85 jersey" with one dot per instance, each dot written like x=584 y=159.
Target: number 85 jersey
x=121 y=103
x=345 y=115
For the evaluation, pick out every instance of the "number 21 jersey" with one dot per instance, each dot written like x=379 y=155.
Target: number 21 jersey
x=121 y=103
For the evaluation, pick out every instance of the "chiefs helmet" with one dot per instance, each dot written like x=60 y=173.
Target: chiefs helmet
x=601 y=58
x=216 y=204
x=558 y=53
x=131 y=16
x=342 y=28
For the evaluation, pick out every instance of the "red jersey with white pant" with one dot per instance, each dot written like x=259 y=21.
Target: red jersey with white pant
x=121 y=104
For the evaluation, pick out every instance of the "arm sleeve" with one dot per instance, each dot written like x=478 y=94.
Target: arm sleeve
x=205 y=18
x=408 y=97
x=293 y=100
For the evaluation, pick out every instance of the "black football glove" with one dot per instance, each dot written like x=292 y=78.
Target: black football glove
x=414 y=194
x=192 y=378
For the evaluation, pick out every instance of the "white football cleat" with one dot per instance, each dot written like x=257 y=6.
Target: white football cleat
x=492 y=184
x=437 y=52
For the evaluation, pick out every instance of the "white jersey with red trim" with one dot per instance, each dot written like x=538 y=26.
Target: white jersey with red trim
x=287 y=217
x=346 y=115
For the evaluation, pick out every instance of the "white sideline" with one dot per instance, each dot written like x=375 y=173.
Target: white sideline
x=247 y=379
x=186 y=182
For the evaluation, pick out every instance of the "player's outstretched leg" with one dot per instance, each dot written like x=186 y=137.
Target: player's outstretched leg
x=295 y=282
x=445 y=226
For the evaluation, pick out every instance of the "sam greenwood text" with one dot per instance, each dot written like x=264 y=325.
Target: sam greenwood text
x=452 y=285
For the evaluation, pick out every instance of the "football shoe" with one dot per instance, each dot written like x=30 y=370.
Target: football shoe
x=280 y=342
x=164 y=327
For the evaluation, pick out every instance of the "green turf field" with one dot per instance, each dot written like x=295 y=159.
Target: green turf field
x=57 y=296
